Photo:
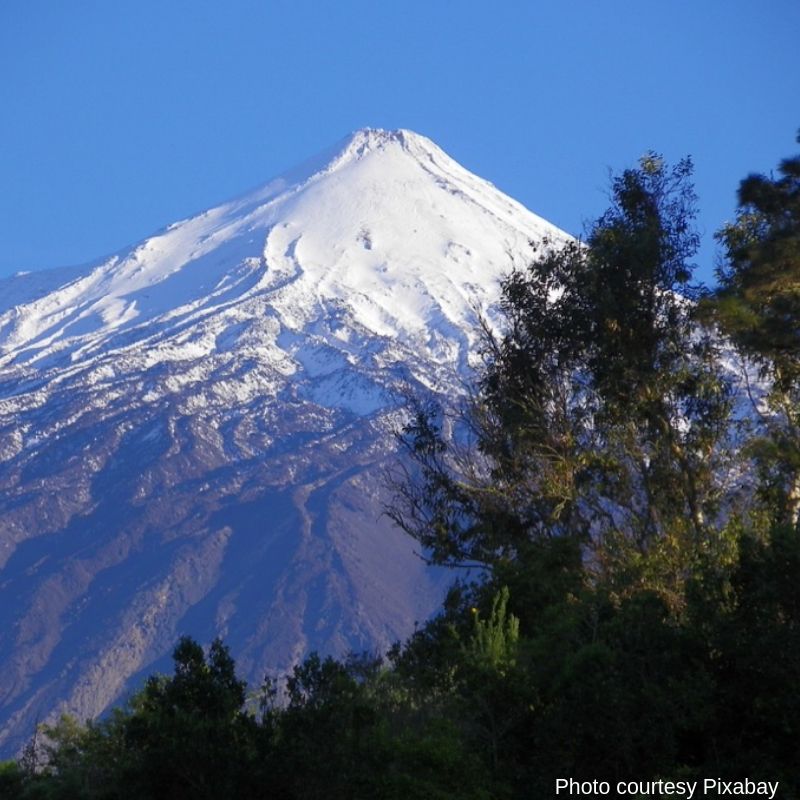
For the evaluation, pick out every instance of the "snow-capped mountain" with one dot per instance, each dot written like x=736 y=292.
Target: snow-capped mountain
x=193 y=432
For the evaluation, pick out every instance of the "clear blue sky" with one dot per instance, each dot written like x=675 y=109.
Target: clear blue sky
x=119 y=117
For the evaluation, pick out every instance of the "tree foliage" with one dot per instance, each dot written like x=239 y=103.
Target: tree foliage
x=601 y=414
x=757 y=305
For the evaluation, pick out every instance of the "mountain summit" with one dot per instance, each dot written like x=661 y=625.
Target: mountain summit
x=386 y=221
x=192 y=431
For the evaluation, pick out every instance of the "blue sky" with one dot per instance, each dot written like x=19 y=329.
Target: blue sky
x=121 y=117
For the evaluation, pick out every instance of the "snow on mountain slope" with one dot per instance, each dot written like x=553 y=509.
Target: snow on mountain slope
x=192 y=431
x=391 y=225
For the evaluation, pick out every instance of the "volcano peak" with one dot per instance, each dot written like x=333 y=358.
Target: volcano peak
x=193 y=432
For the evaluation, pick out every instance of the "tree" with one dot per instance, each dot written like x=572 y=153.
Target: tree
x=12 y=780
x=601 y=415
x=662 y=403
x=757 y=305
x=186 y=735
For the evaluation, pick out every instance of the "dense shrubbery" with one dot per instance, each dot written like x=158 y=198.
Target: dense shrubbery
x=639 y=614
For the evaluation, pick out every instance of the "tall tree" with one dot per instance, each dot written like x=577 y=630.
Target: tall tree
x=758 y=307
x=601 y=414
x=662 y=403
